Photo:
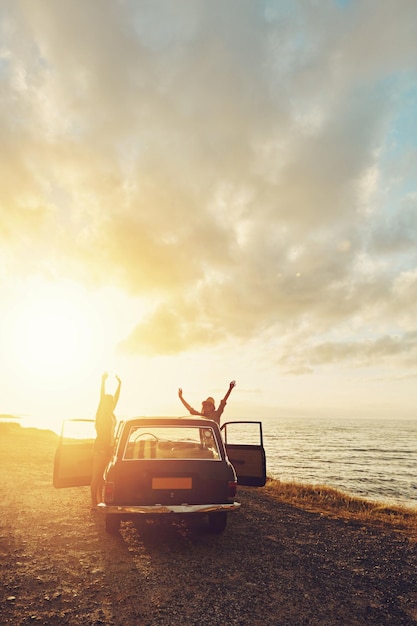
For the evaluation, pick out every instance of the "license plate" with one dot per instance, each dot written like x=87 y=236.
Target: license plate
x=178 y=482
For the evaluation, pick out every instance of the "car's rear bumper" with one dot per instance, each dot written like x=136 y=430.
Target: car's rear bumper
x=158 y=509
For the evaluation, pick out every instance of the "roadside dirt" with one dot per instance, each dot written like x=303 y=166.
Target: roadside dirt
x=274 y=564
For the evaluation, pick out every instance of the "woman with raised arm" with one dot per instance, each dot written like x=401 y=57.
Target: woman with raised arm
x=103 y=445
x=208 y=407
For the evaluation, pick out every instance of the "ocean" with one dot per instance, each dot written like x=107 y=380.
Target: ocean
x=370 y=458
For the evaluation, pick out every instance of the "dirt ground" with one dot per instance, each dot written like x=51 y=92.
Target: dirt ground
x=274 y=564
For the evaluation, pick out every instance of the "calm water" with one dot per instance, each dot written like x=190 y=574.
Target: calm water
x=376 y=459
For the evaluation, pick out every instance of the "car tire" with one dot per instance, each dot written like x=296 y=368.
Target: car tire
x=112 y=523
x=217 y=522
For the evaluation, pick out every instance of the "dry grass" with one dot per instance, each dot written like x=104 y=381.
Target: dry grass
x=333 y=503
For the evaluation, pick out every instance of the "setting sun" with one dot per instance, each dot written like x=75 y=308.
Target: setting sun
x=55 y=334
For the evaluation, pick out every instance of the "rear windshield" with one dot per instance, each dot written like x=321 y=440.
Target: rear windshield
x=171 y=442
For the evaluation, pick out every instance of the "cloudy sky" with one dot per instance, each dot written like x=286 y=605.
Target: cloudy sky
x=197 y=191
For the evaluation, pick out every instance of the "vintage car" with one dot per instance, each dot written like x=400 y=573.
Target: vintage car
x=165 y=467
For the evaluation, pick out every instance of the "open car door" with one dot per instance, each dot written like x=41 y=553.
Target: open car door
x=245 y=449
x=73 y=463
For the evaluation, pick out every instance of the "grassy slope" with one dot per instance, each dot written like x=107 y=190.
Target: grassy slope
x=333 y=503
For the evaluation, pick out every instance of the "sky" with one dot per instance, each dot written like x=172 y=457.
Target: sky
x=194 y=192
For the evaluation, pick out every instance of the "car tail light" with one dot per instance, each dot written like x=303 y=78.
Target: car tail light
x=232 y=488
x=108 y=492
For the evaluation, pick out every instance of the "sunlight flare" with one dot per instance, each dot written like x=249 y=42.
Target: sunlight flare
x=55 y=334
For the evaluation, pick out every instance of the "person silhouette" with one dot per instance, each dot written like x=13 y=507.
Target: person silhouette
x=208 y=406
x=105 y=425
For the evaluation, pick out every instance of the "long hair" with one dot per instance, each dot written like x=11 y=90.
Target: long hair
x=104 y=415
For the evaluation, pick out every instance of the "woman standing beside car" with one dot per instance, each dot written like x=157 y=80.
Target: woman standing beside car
x=103 y=445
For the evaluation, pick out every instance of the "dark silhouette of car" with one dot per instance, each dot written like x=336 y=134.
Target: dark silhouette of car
x=166 y=467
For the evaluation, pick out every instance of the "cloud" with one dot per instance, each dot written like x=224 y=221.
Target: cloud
x=170 y=331
x=396 y=234
x=387 y=350
x=227 y=161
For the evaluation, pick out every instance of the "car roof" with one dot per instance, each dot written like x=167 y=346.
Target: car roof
x=170 y=421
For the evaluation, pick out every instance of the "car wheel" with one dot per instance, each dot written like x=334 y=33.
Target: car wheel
x=112 y=523
x=217 y=522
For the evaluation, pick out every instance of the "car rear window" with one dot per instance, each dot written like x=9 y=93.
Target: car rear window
x=171 y=442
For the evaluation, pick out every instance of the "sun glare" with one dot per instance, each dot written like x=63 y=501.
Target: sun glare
x=54 y=334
